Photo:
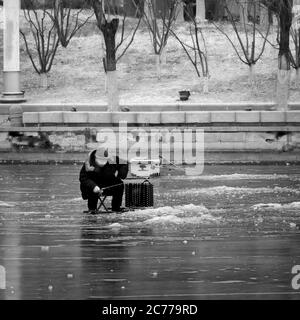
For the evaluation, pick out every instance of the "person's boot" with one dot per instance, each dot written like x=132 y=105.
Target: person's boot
x=120 y=210
x=93 y=211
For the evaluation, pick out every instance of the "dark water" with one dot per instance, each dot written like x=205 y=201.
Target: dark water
x=232 y=233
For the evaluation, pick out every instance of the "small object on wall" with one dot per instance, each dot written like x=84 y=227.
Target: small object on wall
x=184 y=95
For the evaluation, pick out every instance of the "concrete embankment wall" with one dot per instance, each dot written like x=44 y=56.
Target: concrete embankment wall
x=236 y=136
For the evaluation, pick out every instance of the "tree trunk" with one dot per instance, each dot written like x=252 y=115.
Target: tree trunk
x=252 y=77
x=44 y=83
x=113 y=91
x=283 y=85
x=298 y=76
x=284 y=67
x=205 y=85
x=103 y=59
x=109 y=29
x=158 y=58
x=105 y=83
x=295 y=77
x=163 y=56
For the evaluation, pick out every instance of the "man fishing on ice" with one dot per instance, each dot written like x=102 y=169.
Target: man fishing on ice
x=102 y=174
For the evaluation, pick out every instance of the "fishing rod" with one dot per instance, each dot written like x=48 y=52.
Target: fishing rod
x=115 y=185
x=162 y=158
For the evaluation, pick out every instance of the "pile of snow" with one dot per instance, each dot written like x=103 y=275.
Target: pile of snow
x=178 y=215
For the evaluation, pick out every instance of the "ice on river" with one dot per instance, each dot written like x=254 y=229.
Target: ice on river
x=244 y=196
x=232 y=232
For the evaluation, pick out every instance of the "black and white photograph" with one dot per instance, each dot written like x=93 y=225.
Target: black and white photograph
x=149 y=151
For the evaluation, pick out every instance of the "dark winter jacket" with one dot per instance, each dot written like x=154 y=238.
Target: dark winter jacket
x=91 y=175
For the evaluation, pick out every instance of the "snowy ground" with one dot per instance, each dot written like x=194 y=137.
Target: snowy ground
x=78 y=76
x=231 y=233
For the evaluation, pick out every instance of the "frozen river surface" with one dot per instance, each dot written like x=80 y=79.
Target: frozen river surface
x=232 y=233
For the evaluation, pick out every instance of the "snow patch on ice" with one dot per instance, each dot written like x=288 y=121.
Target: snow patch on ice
x=276 y=206
x=219 y=190
x=229 y=281
x=6 y=204
x=116 y=226
x=239 y=176
x=74 y=200
x=177 y=215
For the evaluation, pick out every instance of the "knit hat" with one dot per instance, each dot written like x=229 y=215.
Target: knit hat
x=101 y=156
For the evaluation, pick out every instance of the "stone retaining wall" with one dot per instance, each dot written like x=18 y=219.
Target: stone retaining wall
x=161 y=118
x=153 y=107
x=257 y=135
x=280 y=143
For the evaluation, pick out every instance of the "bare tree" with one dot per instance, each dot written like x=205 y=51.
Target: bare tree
x=282 y=9
x=295 y=54
x=159 y=21
x=68 y=21
x=295 y=37
x=284 y=61
x=112 y=22
x=247 y=35
x=41 y=42
x=196 y=50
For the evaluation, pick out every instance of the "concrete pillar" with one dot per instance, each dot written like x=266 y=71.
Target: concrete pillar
x=11 y=53
x=200 y=11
